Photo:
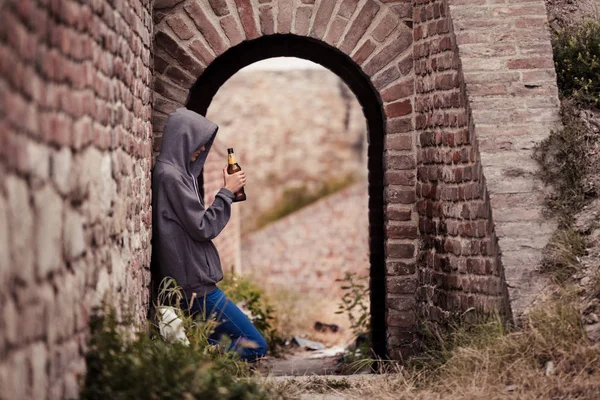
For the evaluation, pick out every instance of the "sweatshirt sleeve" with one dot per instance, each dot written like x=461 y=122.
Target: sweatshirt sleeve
x=200 y=223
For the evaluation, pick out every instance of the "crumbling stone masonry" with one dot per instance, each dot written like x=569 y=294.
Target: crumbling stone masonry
x=455 y=93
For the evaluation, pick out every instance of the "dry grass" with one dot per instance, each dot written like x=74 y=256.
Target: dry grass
x=550 y=357
x=562 y=255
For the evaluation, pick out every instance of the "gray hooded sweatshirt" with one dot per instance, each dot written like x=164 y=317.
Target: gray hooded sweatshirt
x=183 y=227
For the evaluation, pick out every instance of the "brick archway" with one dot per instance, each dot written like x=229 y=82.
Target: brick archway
x=434 y=249
x=369 y=46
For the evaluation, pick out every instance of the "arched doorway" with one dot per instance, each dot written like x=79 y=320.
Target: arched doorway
x=249 y=52
x=369 y=46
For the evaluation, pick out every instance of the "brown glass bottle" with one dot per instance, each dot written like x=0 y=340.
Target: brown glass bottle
x=232 y=168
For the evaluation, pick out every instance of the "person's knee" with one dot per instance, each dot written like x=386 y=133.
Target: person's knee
x=258 y=350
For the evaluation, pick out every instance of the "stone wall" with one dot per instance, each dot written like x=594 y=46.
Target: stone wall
x=74 y=181
x=290 y=129
x=506 y=56
x=460 y=267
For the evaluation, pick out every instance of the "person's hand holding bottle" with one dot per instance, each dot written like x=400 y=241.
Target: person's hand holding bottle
x=234 y=182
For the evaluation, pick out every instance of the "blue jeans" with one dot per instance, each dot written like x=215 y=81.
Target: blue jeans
x=232 y=322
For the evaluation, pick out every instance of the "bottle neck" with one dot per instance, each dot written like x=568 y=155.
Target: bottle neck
x=231 y=159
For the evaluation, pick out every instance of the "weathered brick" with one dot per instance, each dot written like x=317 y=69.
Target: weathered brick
x=400 y=250
x=404 y=178
x=180 y=27
x=530 y=63
x=398 y=212
x=401 y=319
x=219 y=7
x=199 y=49
x=399 y=125
x=322 y=18
x=402 y=232
x=363 y=52
x=398 y=109
x=335 y=31
x=206 y=27
x=231 y=29
x=266 y=20
x=171 y=46
x=359 y=26
x=399 y=194
x=285 y=16
x=302 y=24
x=347 y=8
x=388 y=53
x=246 y=14
x=398 y=91
x=385 y=28
x=401 y=285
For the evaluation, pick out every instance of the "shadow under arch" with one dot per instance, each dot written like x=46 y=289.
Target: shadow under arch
x=249 y=52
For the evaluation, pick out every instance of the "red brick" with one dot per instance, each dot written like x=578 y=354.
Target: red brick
x=400 y=162
x=200 y=50
x=402 y=232
x=359 y=26
x=395 y=268
x=219 y=7
x=399 y=125
x=347 y=8
x=205 y=26
x=385 y=28
x=396 y=212
x=531 y=63
x=402 y=195
x=398 y=142
x=398 y=91
x=303 y=15
x=266 y=20
x=246 y=14
x=335 y=31
x=171 y=46
x=388 y=53
x=400 y=250
x=322 y=18
x=231 y=29
x=170 y=91
x=405 y=319
x=284 y=16
x=401 y=285
x=398 y=109
x=180 y=27
x=386 y=77
x=403 y=178
x=363 y=52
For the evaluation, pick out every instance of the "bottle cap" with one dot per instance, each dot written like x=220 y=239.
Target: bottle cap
x=229 y=151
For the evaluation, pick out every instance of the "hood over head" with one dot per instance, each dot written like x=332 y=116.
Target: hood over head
x=185 y=132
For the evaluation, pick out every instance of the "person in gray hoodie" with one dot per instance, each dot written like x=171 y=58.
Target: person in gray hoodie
x=184 y=228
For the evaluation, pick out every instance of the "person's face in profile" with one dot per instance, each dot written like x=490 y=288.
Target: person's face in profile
x=197 y=153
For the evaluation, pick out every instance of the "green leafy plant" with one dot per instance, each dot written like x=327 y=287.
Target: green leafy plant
x=577 y=61
x=263 y=315
x=355 y=302
x=140 y=365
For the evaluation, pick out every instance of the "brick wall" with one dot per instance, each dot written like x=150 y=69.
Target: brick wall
x=74 y=181
x=460 y=267
x=506 y=54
